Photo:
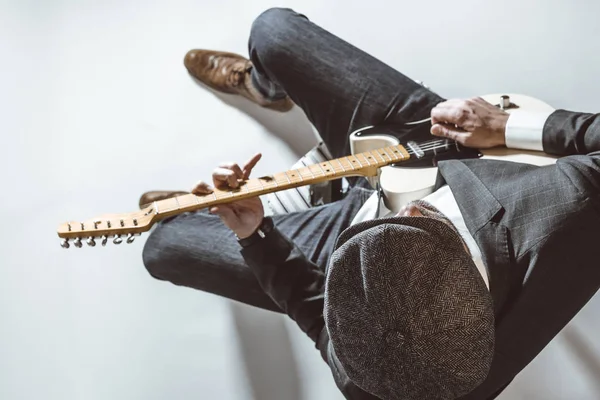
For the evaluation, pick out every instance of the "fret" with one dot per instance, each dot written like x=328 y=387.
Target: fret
x=393 y=155
x=321 y=168
x=292 y=176
x=390 y=150
x=327 y=172
x=351 y=162
x=364 y=159
x=187 y=200
x=250 y=183
x=169 y=204
x=378 y=152
x=284 y=180
x=266 y=181
x=341 y=165
x=384 y=152
x=370 y=157
x=279 y=183
x=333 y=171
x=401 y=152
x=311 y=167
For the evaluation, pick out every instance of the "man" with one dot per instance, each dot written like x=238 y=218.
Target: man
x=399 y=306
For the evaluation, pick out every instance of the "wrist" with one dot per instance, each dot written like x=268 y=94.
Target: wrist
x=247 y=230
x=263 y=229
x=500 y=128
x=245 y=233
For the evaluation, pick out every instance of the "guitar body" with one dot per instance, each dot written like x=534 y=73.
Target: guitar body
x=416 y=179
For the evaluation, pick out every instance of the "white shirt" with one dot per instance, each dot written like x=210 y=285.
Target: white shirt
x=523 y=131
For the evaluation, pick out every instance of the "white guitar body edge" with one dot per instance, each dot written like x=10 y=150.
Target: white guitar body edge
x=402 y=185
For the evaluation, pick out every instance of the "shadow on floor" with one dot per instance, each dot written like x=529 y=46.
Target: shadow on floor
x=267 y=353
x=292 y=127
x=584 y=351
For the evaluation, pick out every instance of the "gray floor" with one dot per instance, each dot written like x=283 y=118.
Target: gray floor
x=97 y=107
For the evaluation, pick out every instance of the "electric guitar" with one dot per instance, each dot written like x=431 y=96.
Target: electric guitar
x=389 y=156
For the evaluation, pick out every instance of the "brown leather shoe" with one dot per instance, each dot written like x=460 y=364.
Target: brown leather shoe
x=156 y=195
x=229 y=73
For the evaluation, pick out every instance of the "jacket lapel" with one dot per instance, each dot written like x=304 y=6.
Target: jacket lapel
x=482 y=213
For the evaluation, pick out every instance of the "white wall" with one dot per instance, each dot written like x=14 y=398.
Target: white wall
x=96 y=107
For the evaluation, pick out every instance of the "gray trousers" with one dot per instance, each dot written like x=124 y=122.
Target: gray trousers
x=341 y=89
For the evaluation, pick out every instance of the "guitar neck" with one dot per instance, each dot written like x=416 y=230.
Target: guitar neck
x=132 y=224
x=362 y=164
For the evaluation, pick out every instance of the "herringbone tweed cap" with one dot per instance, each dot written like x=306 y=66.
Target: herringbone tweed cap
x=408 y=314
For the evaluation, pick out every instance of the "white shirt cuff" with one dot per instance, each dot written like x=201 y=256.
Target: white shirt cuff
x=524 y=130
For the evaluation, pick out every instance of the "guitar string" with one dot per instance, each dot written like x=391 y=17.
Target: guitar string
x=424 y=146
x=418 y=122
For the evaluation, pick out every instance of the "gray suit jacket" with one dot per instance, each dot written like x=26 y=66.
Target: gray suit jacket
x=539 y=232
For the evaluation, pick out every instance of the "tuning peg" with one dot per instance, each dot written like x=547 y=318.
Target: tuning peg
x=130 y=238
x=77 y=243
x=117 y=239
x=104 y=240
x=91 y=242
x=65 y=243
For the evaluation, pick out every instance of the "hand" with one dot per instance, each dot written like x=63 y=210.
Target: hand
x=472 y=122
x=243 y=217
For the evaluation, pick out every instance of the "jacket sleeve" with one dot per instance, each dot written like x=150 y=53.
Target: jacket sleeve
x=297 y=285
x=294 y=283
x=569 y=133
x=576 y=135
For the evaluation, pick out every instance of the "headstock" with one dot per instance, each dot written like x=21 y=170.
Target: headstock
x=116 y=227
